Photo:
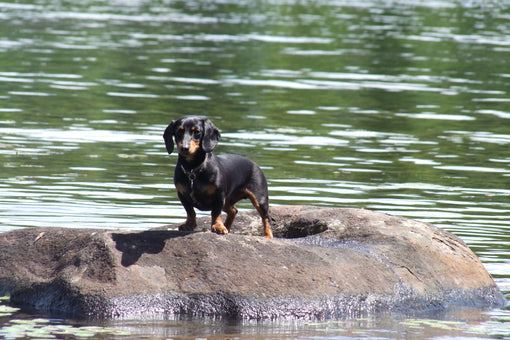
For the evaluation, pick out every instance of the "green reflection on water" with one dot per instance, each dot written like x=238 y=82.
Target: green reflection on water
x=395 y=106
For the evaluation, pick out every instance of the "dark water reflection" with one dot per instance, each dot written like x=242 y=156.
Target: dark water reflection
x=397 y=106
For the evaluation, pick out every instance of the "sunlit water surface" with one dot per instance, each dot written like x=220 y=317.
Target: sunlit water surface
x=395 y=106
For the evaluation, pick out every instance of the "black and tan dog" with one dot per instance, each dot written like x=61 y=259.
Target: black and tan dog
x=209 y=182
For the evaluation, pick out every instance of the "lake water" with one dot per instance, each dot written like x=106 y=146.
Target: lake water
x=396 y=106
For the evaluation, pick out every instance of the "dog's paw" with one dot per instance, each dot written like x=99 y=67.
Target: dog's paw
x=219 y=229
x=187 y=227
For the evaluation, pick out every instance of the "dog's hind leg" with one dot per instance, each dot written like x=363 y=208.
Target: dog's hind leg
x=262 y=209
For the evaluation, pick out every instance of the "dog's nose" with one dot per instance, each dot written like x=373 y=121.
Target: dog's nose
x=185 y=148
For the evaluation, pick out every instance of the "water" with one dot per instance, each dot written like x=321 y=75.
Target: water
x=396 y=106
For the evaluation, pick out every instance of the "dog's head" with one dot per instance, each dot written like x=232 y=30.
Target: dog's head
x=191 y=134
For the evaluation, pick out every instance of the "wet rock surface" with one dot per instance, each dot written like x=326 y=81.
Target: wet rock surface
x=323 y=262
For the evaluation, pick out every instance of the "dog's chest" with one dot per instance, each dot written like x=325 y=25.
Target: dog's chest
x=202 y=193
x=203 y=189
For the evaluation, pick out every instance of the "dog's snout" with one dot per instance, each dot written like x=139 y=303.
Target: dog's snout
x=185 y=144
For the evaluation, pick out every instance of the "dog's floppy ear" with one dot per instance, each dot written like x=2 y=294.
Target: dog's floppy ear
x=211 y=136
x=168 y=136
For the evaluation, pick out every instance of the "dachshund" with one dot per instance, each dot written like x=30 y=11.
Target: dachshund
x=209 y=182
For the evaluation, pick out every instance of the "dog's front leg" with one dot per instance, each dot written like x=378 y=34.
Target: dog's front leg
x=217 y=225
x=191 y=220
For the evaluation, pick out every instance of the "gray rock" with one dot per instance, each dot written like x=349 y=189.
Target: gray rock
x=323 y=263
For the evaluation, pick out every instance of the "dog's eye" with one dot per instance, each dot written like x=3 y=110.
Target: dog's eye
x=196 y=134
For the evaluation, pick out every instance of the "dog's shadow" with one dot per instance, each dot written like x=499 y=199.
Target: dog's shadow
x=134 y=245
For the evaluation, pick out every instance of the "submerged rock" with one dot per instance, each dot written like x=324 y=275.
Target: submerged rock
x=323 y=263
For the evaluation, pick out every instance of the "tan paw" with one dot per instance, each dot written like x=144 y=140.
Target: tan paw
x=219 y=229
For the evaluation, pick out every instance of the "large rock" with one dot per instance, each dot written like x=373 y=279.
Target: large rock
x=325 y=262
